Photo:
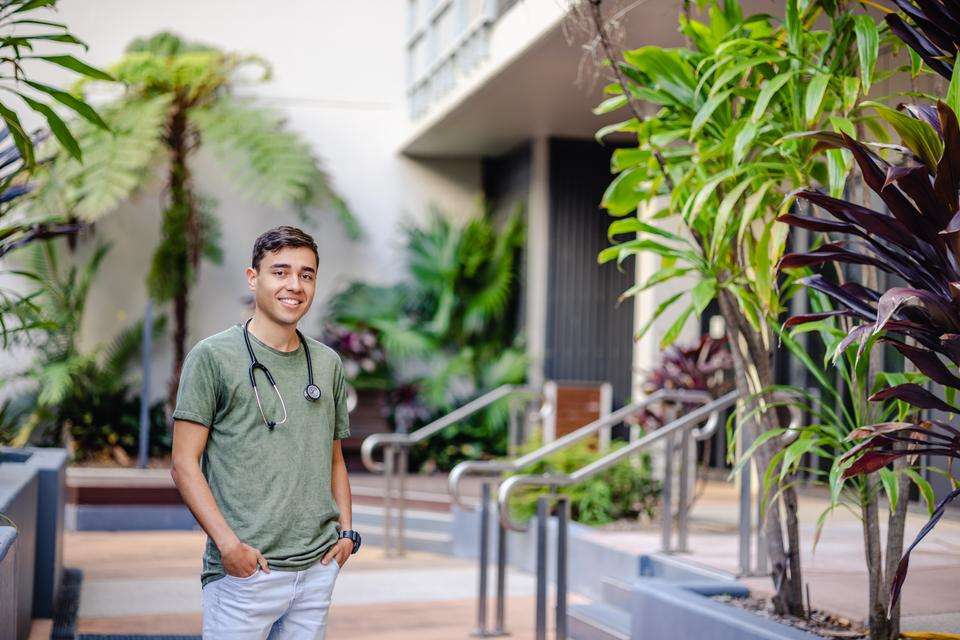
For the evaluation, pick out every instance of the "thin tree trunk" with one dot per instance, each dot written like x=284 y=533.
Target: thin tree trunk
x=181 y=203
x=746 y=347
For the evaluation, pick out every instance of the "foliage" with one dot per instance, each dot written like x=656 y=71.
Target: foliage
x=24 y=30
x=444 y=329
x=705 y=365
x=625 y=491
x=916 y=243
x=364 y=360
x=178 y=96
x=82 y=392
x=725 y=139
x=932 y=30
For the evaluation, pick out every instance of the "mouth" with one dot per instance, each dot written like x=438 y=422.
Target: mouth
x=290 y=303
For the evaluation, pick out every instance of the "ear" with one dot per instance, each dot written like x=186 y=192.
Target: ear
x=251 y=278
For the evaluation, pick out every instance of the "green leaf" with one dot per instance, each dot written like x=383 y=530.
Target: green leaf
x=671 y=335
x=706 y=111
x=916 y=134
x=703 y=294
x=621 y=196
x=57 y=126
x=953 y=91
x=926 y=490
x=916 y=63
x=72 y=63
x=82 y=109
x=850 y=91
x=868 y=46
x=744 y=140
x=659 y=311
x=635 y=225
x=20 y=137
x=610 y=104
x=816 y=89
x=889 y=480
x=770 y=89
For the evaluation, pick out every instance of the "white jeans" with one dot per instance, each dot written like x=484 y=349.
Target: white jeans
x=280 y=605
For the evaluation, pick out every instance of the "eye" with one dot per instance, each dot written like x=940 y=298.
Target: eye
x=308 y=276
x=278 y=273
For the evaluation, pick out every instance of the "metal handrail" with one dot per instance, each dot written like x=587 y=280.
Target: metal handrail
x=370 y=443
x=494 y=467
x=557 y=480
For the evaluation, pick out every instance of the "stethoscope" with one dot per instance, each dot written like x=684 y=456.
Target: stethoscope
x=311 y=392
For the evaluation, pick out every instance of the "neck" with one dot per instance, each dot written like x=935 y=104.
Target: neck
x=282 y=337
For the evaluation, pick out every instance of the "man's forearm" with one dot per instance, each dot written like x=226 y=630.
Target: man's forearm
x=341 y=494
x=196 y=494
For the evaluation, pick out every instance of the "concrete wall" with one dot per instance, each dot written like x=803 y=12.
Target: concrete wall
x=339 y=80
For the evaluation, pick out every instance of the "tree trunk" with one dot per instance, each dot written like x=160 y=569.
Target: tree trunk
x=746 y=346
x=182 y=217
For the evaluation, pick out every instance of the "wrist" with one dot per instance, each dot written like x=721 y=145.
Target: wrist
x=225 y=545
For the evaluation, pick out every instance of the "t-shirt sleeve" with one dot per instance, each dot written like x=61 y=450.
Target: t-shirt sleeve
x=342 y=417
x=198 y=393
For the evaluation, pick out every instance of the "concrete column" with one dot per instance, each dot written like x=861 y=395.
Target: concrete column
x=537 y=257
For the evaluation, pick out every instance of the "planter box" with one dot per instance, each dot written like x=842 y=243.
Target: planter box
x=18 y=501
x=8 y=582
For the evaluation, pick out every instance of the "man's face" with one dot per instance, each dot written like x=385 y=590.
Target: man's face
x=285 y=284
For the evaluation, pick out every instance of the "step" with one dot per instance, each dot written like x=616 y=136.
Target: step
x=597 y=621
x=371 y=517
x=616 y=592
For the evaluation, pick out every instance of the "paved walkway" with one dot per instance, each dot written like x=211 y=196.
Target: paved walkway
x=148 y=582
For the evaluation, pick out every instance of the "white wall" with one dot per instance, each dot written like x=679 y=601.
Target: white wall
x=339 y=79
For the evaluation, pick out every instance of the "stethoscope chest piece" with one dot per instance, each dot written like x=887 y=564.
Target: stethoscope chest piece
x=312 y=392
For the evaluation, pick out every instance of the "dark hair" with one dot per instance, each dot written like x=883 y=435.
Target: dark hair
x=280 y=237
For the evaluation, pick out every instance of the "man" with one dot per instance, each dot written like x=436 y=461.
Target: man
x=256 y=456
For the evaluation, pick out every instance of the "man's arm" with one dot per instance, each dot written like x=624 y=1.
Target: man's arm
x=340 y=485
x=189 y=441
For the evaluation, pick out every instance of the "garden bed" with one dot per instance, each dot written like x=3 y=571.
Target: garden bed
x=821 y=623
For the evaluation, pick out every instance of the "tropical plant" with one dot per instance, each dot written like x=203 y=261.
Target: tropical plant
x=932 y=31
x=713 y=160
x=624 y=491
x=705 y=365
x=838 y=408
x=448 y=329
x=22 y=29
x=77 y=395
x=178 y=97
x=915 y=244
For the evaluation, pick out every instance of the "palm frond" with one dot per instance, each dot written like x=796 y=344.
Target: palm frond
x=115 y=163
x=120 y=353
x=271 y=164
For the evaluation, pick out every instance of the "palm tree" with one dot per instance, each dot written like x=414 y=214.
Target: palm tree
x=177 y=96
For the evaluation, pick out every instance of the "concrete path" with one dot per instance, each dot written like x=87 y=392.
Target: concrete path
x=148 y=582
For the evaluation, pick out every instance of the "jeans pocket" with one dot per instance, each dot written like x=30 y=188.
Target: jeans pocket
x=243 y=578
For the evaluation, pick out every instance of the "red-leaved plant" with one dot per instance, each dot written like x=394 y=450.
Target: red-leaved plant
x=918 y=242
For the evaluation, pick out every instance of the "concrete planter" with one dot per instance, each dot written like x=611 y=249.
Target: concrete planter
x=47 y=467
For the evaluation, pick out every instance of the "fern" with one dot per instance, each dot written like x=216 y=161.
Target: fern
x=115 y=163
x=271 y=164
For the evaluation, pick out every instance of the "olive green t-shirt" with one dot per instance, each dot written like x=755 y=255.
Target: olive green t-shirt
x=273 y=487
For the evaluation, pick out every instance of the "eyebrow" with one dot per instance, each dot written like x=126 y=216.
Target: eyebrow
x=287 y=266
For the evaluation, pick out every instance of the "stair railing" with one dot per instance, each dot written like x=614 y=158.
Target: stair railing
x=493 y=469
x=680 y=426
x=396 y=451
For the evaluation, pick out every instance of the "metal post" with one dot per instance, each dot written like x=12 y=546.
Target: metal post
x=513 y=428
x=683 y=501
x=563 y=510
x=481 y=629
x=500 y=629
x=388 y=500
x=147 y=341
x=745 y=510
x=402 y=454
x=541 y=614
x=666 y=528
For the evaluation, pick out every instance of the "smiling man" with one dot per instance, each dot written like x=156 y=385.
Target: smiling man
x=260 y=413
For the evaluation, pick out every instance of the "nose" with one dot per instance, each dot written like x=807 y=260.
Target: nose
x=293 y=282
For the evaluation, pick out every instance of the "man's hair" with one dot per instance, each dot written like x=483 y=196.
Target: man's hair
x=280 y=237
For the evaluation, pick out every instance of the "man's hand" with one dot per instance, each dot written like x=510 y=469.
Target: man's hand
x=241 y=560
x=339 y=552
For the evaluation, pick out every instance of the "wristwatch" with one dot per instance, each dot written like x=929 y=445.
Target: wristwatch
x=354 y=537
